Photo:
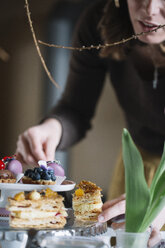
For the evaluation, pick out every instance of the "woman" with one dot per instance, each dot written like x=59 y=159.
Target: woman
x=137 y=75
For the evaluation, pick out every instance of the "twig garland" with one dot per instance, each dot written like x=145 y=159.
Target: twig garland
x=37 y=46
x=135 y=36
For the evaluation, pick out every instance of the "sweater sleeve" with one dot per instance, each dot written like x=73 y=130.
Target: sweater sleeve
x=77 y=105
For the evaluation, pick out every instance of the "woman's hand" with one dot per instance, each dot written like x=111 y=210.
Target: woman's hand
x=113 y=208
x=116 y=207
x=39 y=142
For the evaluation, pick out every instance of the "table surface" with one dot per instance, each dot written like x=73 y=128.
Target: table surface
x=105 y=237
x=111 y=233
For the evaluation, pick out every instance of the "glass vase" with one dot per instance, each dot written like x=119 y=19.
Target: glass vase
x=131 y=240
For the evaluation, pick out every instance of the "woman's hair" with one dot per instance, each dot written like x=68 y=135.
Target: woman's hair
x=115 y=25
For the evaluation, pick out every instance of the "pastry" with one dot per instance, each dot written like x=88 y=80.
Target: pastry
x=7 y=176
x=43 y=209
x=39 y=175
x=87 y=201
x=9 y=169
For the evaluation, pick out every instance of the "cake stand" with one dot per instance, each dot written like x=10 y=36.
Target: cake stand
x=10 y=189
x=72 y=229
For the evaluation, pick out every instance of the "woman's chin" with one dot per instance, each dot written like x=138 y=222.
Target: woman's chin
x=149 y=40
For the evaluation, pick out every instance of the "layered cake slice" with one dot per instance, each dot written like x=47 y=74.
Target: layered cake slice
x=43 y=209
x=87 y=201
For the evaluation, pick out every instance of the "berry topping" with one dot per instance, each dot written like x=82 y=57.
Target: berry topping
x=38 y=170
x=35 y=176
x=45 y=175
x=53 y=178
x=39 y=173
x=28 y=172
x=2 y=165
x=50 y=170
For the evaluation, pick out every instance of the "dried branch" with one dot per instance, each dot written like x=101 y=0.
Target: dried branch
x=37 y=46
x=135 y=36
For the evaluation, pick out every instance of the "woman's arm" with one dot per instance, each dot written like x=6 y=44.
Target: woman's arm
x=71 y=118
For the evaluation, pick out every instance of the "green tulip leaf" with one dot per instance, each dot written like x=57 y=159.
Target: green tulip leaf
x=157 y=203
x=137 y=191
x=160 y=170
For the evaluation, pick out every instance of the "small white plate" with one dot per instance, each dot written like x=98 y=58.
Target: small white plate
x=65 y=186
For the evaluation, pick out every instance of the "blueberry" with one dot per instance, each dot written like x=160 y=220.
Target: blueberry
x=51 y=171
x=36 y=176
x=53 y=177
x=35 y=170
x=33 y=177
x=38 y=170
x=31 y=174
x=45 y=176
x=28 y=172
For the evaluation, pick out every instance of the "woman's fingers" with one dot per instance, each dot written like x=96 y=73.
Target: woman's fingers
x=39 y=142
x=118 y=225
x=159 y=220
x=110 y=203
x=154 y=238
x=35 y=140
x=112 y=211
x=19 y=157
x=23 y=151
x=113 y=208
x=49 y=149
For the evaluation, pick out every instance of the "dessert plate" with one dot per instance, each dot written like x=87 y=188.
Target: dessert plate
x=65 y=186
